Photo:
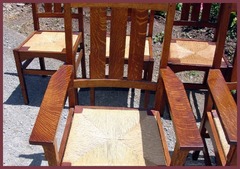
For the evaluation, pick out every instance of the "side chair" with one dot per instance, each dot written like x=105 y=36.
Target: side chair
x=191 y=54
x=47 y=44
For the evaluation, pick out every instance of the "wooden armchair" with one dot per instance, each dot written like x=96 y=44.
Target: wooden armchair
x=219 y=121
x=96 y=135
x=196 y=54
x=47 y=44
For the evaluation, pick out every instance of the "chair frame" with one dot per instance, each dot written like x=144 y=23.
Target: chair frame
x=23 y=56
x=219 y=39
x=223 y=102
x=169 y=89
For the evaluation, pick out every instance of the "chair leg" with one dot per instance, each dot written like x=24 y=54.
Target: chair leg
x=179 y=156
x=83 y=65
x=42 y=65
x=21 y=77
x=92 y=97
x=148 y=70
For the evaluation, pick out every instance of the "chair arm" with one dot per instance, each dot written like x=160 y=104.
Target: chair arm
x=46 y=124
x=187 y=133
x=225 y=104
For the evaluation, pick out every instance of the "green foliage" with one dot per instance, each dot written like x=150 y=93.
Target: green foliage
x=163 y=14
x=192 y=73
x=159 y=37
x=160 y=13
x=179 y=6
x=233 y=25
x=214 y=12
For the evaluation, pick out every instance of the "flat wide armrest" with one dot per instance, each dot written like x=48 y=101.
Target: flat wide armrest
x=46 y=124
x=187 y=133
x=225 y=104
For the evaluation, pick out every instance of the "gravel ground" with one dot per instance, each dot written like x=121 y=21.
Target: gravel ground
x=18 y=119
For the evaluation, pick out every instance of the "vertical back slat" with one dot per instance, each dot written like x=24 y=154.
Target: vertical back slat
x=195 y=11
x=98 y=22
x=185 y=11
x=206 y=12
x=57 y=7
x=48 y=7
x=137 y=44
x=117 y=42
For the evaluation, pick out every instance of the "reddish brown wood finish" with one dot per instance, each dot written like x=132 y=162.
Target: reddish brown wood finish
x=151 y=6
x=196 y=9
x=24 y=54
x=65 y=134
x=187 y=135
x=51 y=154
x=137 y=44
x=167 y=36
x=226 y=112
x=48 y=7
x=117 y=43
x=168 y=89
x=194 y=19
x=57 y=7
x=98 y=22
x=49 y=114
x=222 y=33
x=226 y=106
x=118 y=83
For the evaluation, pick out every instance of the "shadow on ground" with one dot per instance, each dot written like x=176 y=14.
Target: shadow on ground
x=37 y=158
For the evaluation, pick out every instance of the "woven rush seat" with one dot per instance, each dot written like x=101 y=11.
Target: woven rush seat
x=193 y=53
x=123 y=137
x=127 y=47
x=48 y=42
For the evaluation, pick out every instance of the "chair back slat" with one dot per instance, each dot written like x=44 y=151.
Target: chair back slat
x=98 y=24
x=206 y=12
x=117 y=42
x=195 y=11
x=137 y=43
x=48 y=7
x=57 y=7
x=185 y=11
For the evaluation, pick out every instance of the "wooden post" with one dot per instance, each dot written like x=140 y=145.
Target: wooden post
x=51 y=154
x=179 y=156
